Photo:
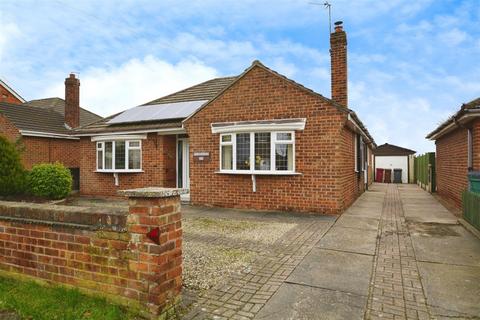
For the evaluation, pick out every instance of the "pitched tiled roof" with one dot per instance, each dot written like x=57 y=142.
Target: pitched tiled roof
x=208 y=90
x=203 y=91
x=25 y=117
x=392 y=150
x=473 y=105
x=58 y=105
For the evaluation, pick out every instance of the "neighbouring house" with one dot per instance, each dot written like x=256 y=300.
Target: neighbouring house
x=398 y=160
x=457 y=143
x=7 y=94
x=45 y=128
x=257 y=140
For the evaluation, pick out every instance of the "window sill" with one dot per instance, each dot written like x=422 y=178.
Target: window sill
x=259 y=173
x=119 y=171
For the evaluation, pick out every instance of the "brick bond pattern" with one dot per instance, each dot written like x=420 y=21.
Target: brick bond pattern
x=158 y=165
x=114 y=258
x=396 y=291
x=246 y=293
x=39 y=150
x=452 y=163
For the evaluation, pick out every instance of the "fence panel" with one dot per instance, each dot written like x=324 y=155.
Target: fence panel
x=471 y=208
x=425 y=171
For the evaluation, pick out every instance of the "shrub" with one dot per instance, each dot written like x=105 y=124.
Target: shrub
x=48 y=180
x=12 y=173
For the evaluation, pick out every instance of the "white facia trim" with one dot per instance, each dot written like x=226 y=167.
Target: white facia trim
x=160 y=131
x=47 y=135
x=261 y=125
x=120 y=137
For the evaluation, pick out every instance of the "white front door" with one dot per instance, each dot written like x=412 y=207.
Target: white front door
x=183 y=167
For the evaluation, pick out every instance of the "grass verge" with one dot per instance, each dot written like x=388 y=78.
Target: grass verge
x=33 y=301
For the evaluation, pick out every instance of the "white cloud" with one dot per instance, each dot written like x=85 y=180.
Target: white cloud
x=8 y=32
x=453 y=37
x=108 y=91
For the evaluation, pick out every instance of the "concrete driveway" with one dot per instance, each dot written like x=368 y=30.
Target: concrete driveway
x=396 y=253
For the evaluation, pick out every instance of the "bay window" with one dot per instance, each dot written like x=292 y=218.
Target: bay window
x=257 y=152
x=119 y=156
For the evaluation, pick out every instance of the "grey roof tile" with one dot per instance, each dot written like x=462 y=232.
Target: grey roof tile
x=25 y=117
x=58 y=105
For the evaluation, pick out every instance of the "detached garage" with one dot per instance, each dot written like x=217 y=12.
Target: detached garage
x=393 y=164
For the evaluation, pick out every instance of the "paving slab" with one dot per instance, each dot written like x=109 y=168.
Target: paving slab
x=343 y=271
x=358 y=222
x=423 y=207
x=372 y=212
x=294 y=301
x=452 y=289
x=450 y=244
x=349 y=240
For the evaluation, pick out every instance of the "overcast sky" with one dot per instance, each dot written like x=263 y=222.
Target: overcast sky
x=411 y=63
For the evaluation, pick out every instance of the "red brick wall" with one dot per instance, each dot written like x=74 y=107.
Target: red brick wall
x=8 y=129
x=260 y=95
x=117 y=260
x=39 y=150
x=476 y=144
x=352 y=183
x=451 y=165
x=158 y=165
x=6 y=96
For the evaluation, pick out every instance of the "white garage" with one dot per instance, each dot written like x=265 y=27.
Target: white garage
x=393 y=164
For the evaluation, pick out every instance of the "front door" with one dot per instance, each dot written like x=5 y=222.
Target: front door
x=183 y=168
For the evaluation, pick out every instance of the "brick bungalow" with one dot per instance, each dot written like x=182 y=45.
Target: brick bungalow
x=257 y=140
x=457 y=143
x=44 y=127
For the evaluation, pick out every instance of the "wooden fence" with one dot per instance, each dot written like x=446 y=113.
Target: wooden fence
x=425 y=171
x=471 y=208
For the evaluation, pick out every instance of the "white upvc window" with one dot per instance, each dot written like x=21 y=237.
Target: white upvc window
x=119 y=156
x=260 y=152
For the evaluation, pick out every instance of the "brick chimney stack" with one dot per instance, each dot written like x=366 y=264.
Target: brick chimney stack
x=338 y=56
x=72 y=101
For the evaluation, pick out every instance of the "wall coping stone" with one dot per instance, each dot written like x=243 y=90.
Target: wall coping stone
x=65 y=216
x=153 y=192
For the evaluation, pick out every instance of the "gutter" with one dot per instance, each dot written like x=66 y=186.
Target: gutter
x=456 y=123
x=30 y=133
x=109 y=133
x=358 y=127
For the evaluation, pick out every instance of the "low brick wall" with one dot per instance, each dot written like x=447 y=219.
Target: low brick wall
x=97 y=250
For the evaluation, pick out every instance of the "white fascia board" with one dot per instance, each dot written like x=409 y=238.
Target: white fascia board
x=159 y=131
x=358 y=127
x=120 y=137
x=30 y=133
x=249 y=126
x=454 y=124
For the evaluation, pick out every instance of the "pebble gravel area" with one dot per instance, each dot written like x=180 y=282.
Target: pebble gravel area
x=234 y=261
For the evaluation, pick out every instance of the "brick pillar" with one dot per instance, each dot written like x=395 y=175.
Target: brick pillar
x=338 y=56
x=159 y=263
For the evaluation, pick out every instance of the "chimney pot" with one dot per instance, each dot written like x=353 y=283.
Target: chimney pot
x=338 y=26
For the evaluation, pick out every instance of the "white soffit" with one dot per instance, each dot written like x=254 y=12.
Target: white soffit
x=158 y=112
x=259 y=125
